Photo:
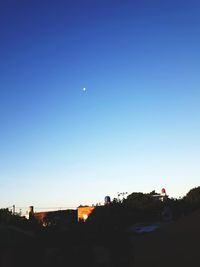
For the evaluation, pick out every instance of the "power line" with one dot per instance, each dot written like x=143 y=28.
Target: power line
x=39 y=208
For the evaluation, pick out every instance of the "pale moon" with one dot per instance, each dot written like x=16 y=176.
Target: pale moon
x=84 y=89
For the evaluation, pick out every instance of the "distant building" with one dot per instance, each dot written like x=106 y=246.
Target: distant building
x=64 y=217
x=50 y=218
x=84 y=212
x=162 y=196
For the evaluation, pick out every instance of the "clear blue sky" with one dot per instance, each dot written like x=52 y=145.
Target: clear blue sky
x=137 y=125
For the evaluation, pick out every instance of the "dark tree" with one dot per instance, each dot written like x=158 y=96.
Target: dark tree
x=193 y=198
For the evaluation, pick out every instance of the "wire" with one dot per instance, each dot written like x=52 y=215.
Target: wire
x=41 y=208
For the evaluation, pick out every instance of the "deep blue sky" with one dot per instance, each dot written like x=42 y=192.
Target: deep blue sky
x=137 y=126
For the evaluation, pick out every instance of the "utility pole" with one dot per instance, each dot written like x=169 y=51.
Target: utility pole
x=13 y=210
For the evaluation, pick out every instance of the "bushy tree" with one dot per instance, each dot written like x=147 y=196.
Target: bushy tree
x=6 y=217
x=192 y=198
x=144 y=206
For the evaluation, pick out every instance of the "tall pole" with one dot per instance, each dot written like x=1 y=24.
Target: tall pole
x=13 y=209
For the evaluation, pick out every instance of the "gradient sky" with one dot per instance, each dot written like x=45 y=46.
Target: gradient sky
x=137 y=125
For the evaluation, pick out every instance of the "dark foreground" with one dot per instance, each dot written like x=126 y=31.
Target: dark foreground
x=174 y=244
x=78 y=246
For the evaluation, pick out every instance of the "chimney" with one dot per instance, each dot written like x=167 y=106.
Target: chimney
x=31 y=211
